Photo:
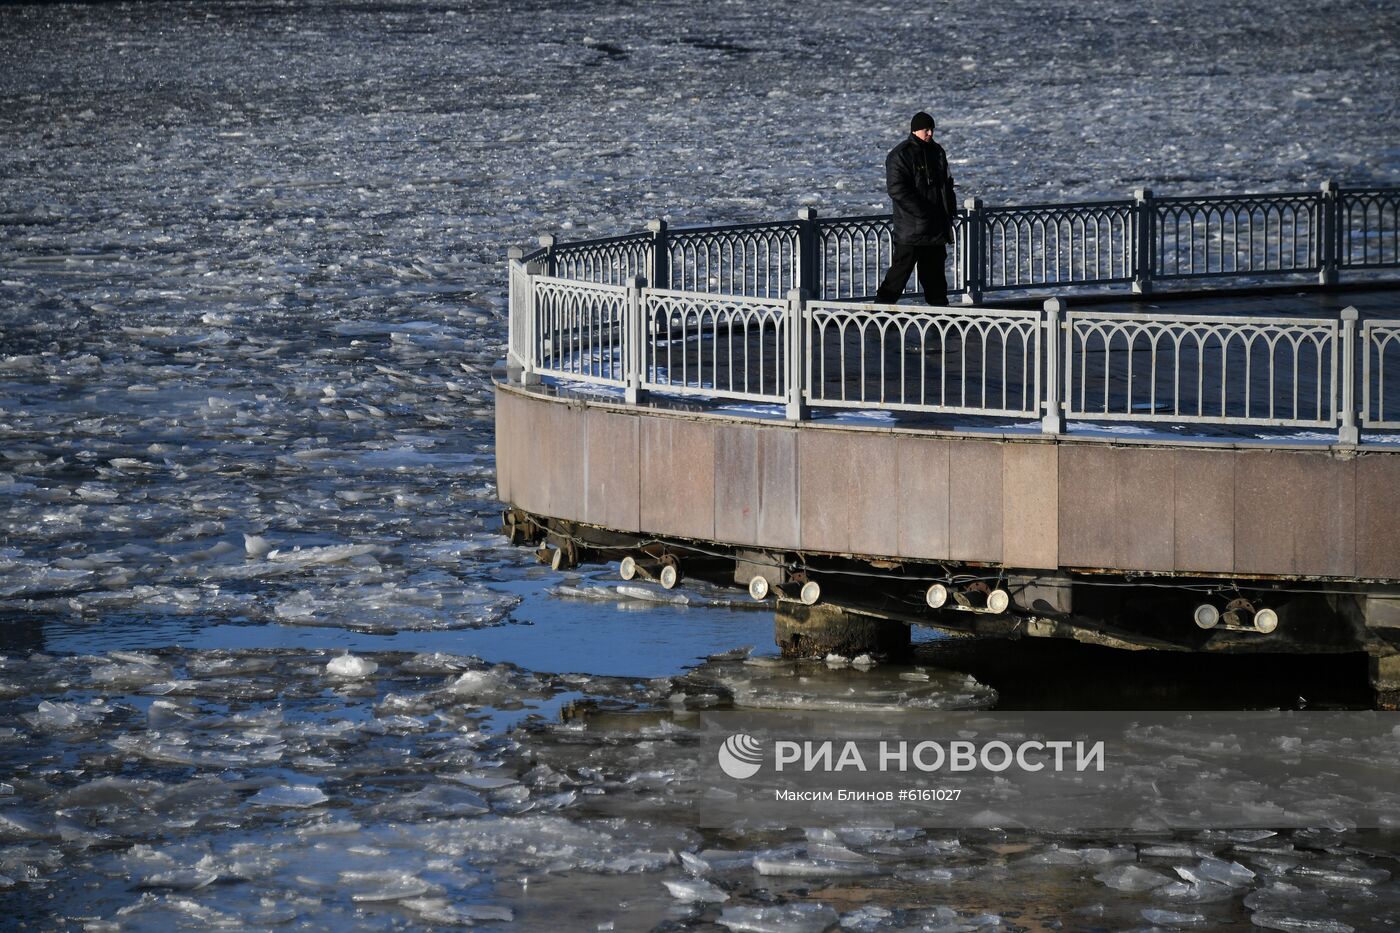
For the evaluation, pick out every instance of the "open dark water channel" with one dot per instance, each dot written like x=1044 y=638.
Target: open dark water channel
x=265 y=662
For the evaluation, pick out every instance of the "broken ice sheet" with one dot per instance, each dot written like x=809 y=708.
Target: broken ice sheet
x=1132 y=878
x=387 y=608
x=1274 y=920
x=696 y=891
x=64 y=716
x=296 y=795
x=812 y=685
x=373 y=887
x=787 y=918
x=349 y=667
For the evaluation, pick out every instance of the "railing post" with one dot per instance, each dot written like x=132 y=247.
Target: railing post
x=1329 y=233
x=634 y=340
x=972 y=252
x=1145 y=211
x=1052 y=421
x=528 y=374
x=1349 y=434
x=550 y=266
x=515 y=316
x=796 y=360
x=660 y=271
x=808 y=251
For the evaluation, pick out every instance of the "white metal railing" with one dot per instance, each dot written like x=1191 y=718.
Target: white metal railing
x=1209 y=369
x=1380 y=341
x=773 y=312
x=931 y=359
x=700 y=344
x=1047 y=364
x=579 y=330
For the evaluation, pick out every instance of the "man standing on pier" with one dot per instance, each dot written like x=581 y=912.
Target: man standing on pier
x=916 y=175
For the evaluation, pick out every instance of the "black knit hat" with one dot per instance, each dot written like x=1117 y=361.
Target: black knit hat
x=921 y=121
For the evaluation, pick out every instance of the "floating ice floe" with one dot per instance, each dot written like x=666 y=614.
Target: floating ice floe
x=777 y=683
x=350 y=667
x=814 y=868
x=295 y=796
x=1132 y=878
x=57 y=717
x=787 y=918
x=696 y=891
x=1171 y=918
x=1271 y=920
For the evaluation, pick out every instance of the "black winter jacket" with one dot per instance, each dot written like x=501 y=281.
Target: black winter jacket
x=916 y=175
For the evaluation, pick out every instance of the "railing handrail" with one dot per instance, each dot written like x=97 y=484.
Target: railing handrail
x=596 y=242
x=1228 y=198
x=562 y=280
x=714 y=296
x=1066 y=206
x=898 y=310
x=1161 y=316
x=856 y=218
x=733 y=228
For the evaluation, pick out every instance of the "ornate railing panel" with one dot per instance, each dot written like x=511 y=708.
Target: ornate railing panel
x=607 y=261
x=1369 y=228
x=1380 y=344
x=1232 y=235
x=1202 y=368
x=853 y=255
x=1057 y=244
x=760 y=260
x=714 y=345
x=940 y=359
x=580 y=330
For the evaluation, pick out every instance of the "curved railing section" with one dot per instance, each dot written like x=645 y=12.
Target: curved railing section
x=1367 y=222
x=715 y=345
x=872 y=356
x=779 y=312
x=580 y=329
x=1231 y=235
x=1205 y=369
x=1057 y=245
x=759 y=260
x=1381 y=346
x=608 y=261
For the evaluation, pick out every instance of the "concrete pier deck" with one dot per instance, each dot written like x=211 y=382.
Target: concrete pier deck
x=1157 y=422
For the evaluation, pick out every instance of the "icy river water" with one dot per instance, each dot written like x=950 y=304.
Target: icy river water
x=266 y=663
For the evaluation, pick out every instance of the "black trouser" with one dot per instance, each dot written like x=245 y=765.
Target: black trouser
x=930 y=260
